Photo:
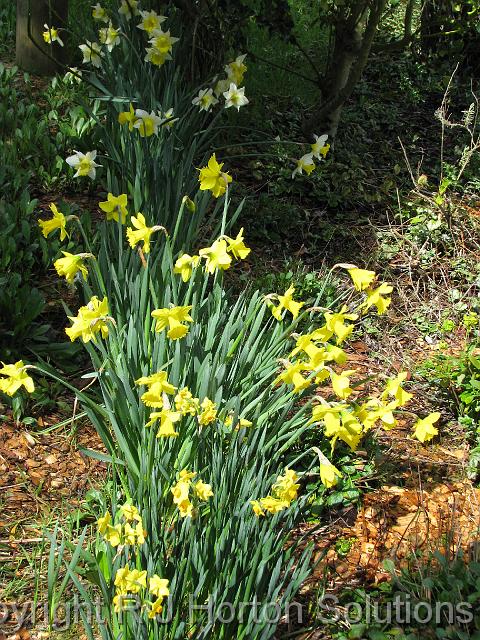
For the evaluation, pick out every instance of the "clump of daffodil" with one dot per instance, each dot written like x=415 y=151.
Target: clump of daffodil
x=284 y=492
x=127 y=531
x=150 y=22
x=50 y=35
x=84 y=163
x=186 y=489
x=205 y=100
x=72 y=264
x=99 y=13
x=423 y=428
x=175 y=318
x=109 y=36
x=235 y=97
x=92 y=53
x=285 y=302
x=91 y=319
x=141 y=233
x=213 y=179
x=58 y=221
x=147 y=123
x=129 y=8
x=15 y=376
x=115 y=207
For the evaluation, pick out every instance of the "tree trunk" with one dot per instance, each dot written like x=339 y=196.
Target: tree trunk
x=353 y=43
x=33 y=54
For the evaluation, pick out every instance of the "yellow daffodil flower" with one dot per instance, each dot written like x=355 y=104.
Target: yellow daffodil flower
x=153 y=397
x=213 y=179
x=202 y=491
x=424 y=429
x=185 y=265
x=173 y=317
x=257 y=508
x=235 y=97
x=151 y=21
x=156 y=608
x=236 y=70
x=113 y=535
x=208 y=413
x=99 y=13
x=141 y=233
x=109 y=36
x=90 y=320
x=103 y=522
x=128 y=117
x=329 y=474
x=341 y=383
x=168 y=120
x=130 y=512
x=84 y=163
x=393 y=388
x=156 y=57
x=287 y=302
x=361 y=278
x=115 y=207
x=285 y=487
x=51 y=35
x=305 y=163
x=92 y=53
x=236 y=246
x=57 y=222
x=272 y=504
x=162 y=41
x=167 y=420
x=216 y=256
x=335 y=323
x=241 y=423
x=293 y=375
x=71 y=264
x=377 y=297
x=185 y=403
x=16 y=377
x=205 y=100
x=319 y=148
x=158 y=587
x=181 y=498
x=147 y=123
x=161 y=378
